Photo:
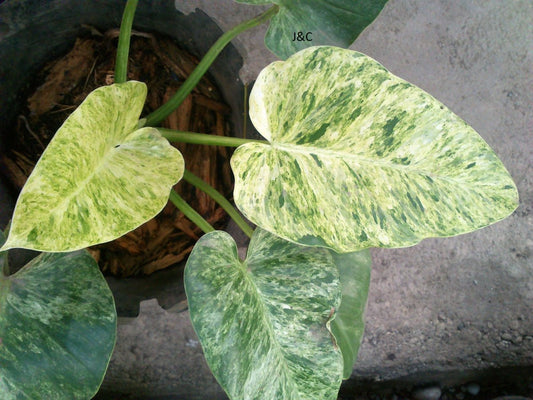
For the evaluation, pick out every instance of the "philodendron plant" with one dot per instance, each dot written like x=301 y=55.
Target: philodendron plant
x=353 y=157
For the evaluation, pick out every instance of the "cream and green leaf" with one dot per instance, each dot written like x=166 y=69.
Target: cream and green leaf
x=332 y=22
x=57 y=328
x=264 y=322
x=348 y=325
x=99 y=178
x=358 y=157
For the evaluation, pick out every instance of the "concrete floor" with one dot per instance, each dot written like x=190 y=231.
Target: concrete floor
x=445 y=305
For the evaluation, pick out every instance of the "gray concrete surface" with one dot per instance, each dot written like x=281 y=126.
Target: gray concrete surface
x=445 y=305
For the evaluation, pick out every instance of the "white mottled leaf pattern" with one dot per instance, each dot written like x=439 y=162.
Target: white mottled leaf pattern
x=57 y=328
x=332 y=22
x=348 y=325
x=264 y=322
x=99 y=178
x=359 y=158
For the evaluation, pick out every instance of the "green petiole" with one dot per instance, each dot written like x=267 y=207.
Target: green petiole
x=204 y=138
x=156 y=117
x=189 y=212
x=220 y=199
x=123 y=48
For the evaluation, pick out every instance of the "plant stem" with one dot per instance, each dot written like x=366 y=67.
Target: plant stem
x=204 y=138
x=156 y=117
x=220 y=199
x=189 y=212
x=123 y=48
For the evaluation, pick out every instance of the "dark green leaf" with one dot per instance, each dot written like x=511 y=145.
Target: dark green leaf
x=332 y=22
x=57 y=328
x=349 y=324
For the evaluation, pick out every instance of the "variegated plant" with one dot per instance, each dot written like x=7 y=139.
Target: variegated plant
x=357 y=157
x=99 y=178
x=353 y=157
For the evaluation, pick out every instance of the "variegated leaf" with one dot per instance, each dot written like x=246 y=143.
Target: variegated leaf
x=264 y=322
x=99 y=178
x=349 y=324
x=57 y=328
x=359 y=157
x=332 y=22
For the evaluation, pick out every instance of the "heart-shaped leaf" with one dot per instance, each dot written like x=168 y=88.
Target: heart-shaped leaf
x=359 y=157
x=349 y=324
x=264 y=322
x=57 y=328
x=303 y=23
x=99 y=178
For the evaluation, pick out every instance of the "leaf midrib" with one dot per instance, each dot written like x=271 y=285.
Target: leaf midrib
x=248 y=275
x=104 y=160
x=407 y=169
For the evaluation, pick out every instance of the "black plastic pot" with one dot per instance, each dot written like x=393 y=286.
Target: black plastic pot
x=33 y=32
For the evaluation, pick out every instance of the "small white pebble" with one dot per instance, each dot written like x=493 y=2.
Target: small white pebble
x=192 y=343
x=473 y=389
x=427 y=393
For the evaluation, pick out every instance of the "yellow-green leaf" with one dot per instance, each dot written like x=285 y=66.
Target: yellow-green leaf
x=99 y=178
x=359 y=157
